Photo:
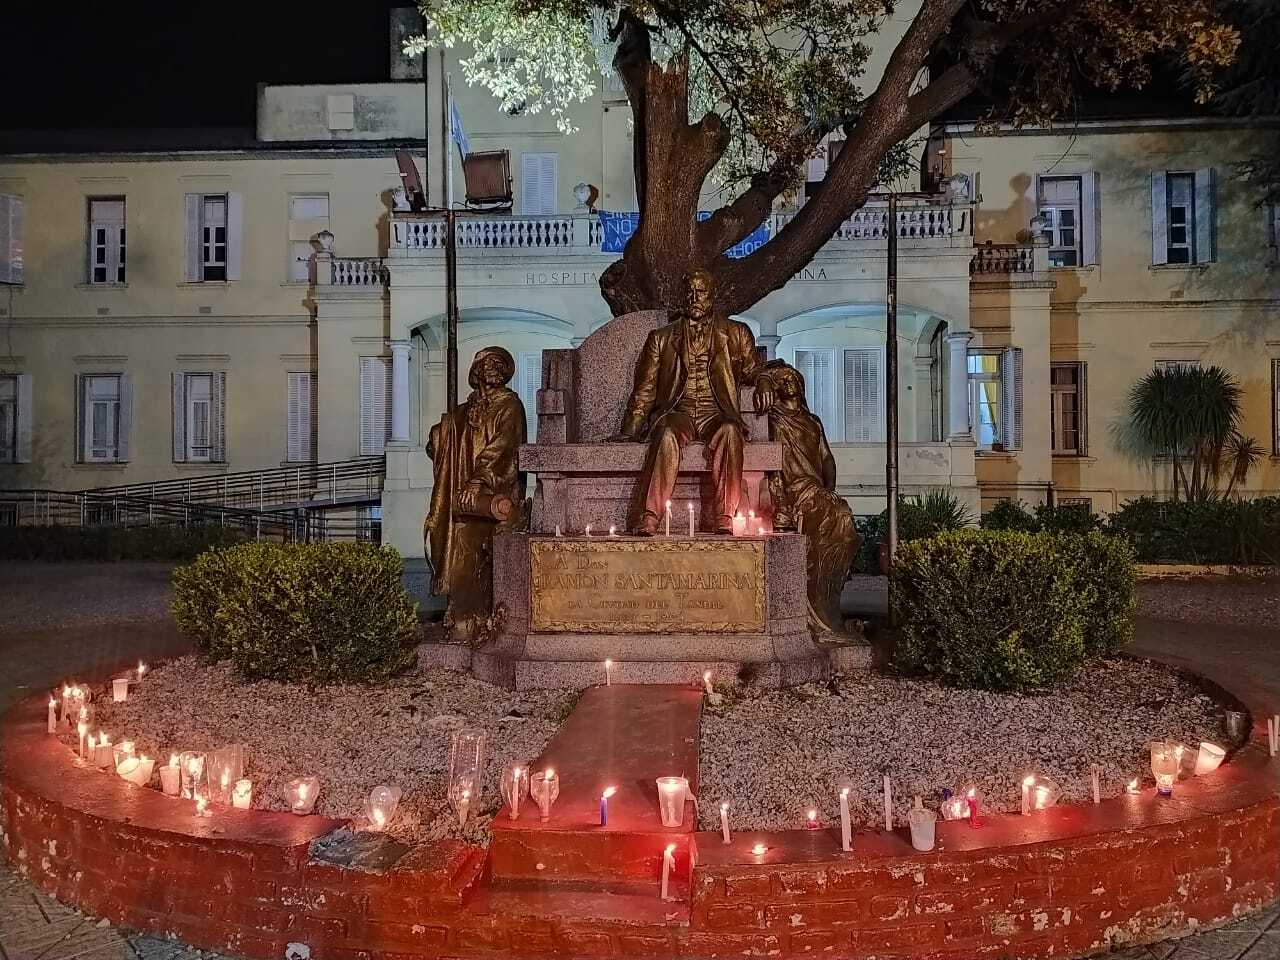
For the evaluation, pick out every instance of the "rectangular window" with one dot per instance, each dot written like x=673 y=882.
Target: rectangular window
x=199 y=417
x=527 y=384
x=1273 y=231
x=199 y=401
x=106 y=240
x=985 y=400
x=8 y=419
x=11 y=238
x=1180 y=212
x=101 y=417
x=301 y=415
x=375 y=405
x=539 y=184
x=1275 y=407
x=308 y=217
x=213 y=238
x=818 y=367
x=864 y=395
x=1067 y=408
x=1060 y=206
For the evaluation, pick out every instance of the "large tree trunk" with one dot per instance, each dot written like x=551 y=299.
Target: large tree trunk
x=673 y=157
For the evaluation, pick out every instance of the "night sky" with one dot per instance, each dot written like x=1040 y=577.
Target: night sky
x=117 y=63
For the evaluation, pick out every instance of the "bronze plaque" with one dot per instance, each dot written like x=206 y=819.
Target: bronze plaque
x=648 y=586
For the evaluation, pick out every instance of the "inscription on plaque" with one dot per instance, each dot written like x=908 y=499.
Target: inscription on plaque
x=648 y=586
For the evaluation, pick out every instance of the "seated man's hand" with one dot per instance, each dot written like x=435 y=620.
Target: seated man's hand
x=763 y=396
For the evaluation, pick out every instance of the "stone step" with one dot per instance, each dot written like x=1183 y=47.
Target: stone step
x=528 y=674
x=624 y=736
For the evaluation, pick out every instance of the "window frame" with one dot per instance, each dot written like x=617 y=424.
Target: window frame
x=1056 y=412
x=381 y=447
x=833 y=422
x=198 y=453
x=9 y=450
x=298 y=269
x=878 y=426
x=87 y=407
x=112 y=243
x=1187 y=247
x=210 y=266
x=1275 y=407
x=1052 y=212
x=976 y=402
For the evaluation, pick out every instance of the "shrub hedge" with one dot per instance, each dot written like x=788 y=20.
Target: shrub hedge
x=1008 y=610
x=63 y=544
x=321 y=613
x=1216 y=530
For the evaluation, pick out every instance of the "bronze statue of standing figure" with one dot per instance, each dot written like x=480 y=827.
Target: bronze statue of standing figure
x=804 y=497
x=686 y=389
x=478 y=490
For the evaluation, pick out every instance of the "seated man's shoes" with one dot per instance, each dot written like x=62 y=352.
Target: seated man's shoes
x=724 y=525
x=647 y=526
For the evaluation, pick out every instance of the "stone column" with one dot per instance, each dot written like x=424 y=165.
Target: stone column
x=400 y=391
x=770 y=343
x=958 y=386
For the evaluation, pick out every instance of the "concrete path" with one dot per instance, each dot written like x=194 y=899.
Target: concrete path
x=59 y=620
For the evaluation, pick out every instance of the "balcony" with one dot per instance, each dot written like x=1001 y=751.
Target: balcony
x=920 y=224
x=1008 y=261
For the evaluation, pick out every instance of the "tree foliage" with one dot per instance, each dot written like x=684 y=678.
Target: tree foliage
x=750 y=91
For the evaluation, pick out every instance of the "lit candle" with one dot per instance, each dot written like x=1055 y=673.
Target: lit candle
x=1133 y=786
x=608 y=665
x=724 y=823
x=1097 y=786
x=613 y=531
x=668 y=518
x=142 y=668
x=1271 y=735
x=1209 y=758
x=202 y=804
x=102 y=757
x=82 y=728
x=739 y=524
x=668 y=865
x=706 y=681
x=588 y=531
x=888 y=804
x=691 y=521
x=170 y=777
x=846 y=834
x=1027 y=783
x=544 y=797
x=604 y=805
x=557 y=529
x=811 y=819
x=301 y=794
x=120 y=689
x=513 y=806
x=242 y=795
x=66 y=697
x=759 y=850
x=53 y=715
x=972 y=799
x=759 y=531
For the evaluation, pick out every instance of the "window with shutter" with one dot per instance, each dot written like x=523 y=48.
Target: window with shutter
x=375 y=405
x=106 y=240
x=864 y=395
x=308 y=216
x=213 y=237
x=101 y=410
x=11 y=238
x=1180 y=210
x=539 y=183
x=198 y=411
x=986 y=400
x=818 y=367
x=301 y=414
x=528 y=383
x=1060 y=204
x=8 y=419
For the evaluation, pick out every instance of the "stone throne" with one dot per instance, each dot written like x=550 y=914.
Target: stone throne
x=581 y=479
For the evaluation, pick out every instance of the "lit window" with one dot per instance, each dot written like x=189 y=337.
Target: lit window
x=1060 y=208
x=985 y=399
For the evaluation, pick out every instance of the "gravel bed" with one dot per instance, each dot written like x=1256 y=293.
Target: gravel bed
x=771 y=756
x=353 y=738
x=1242 y=600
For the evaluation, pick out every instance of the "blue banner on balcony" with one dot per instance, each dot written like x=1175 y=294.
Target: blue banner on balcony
x=617 y=226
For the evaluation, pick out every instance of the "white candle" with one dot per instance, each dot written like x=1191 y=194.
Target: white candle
x=691 y=521
x=142 y=668
x=1027 y=783
x=739 y=525
x=613 y=531
x=242 y=796
x=1133 y=786
x=53 y=716
x=888 y=804
x=668 y=864
x=1209 y=758
x=1271 y=734
x=557 y=529
x=588 y=531
x=706 y=681
x=608 y=665
x=170 y=777
x=516 y=774
x=102 y=756
x=120 y=689
x=724 y=823
x=846 y=834
x=464 y=807
x=544 y=798
x=668 y=518
x=66 y=696
x=82 y=728
x=1097 y=787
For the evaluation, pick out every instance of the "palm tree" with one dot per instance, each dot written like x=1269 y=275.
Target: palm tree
x=1191 y=417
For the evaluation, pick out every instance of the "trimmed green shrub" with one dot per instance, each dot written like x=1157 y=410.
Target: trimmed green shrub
x=321 y=612
x=1010 y=515
x=1007 y=610
x=918 y=517
x=1066 y=518
x=1216 y=530
x=65 y=544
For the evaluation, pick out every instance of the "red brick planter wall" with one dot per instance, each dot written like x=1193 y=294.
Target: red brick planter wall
x=1065 y=881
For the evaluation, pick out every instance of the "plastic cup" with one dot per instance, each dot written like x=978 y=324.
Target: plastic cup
x=923 y=824
x=672 y=793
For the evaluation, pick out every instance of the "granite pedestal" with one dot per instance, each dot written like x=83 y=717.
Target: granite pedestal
x=662 y=609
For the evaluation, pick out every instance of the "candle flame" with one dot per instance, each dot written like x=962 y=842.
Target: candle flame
x=724 y=808
x=613 y=531
x=760 y=531
x=706 y=676
x=759 y=849
x=1026 y=781
x=844 y=792
x=608 y=664
x=972 y=793
x=173 y=759
x=53 y=702
x=379 y=817
x=813 y=814
x=66 y=691
x=548 y=774
x=671 y=849
x=668 y=506
x=608 y=792
x=466 y=794
x=1133 y=786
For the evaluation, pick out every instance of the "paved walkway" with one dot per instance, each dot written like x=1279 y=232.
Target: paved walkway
x=112 y=614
